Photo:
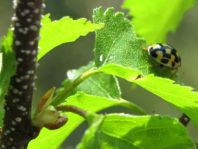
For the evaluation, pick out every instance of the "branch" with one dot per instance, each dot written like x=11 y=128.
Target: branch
x=17 y=128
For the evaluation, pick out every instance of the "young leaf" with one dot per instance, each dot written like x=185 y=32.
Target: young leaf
x=98 y=84
x=117 y=42
x=90 y=139
x=180 y=96
x=55 y=33
x=154 y=19
x=53 y=139
x=126 y=73
x=101 y=85
x=134 y=132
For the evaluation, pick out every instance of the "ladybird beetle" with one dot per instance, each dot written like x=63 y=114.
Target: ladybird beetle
x=165 y=55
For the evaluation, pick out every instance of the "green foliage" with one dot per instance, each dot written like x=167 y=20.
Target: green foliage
x=182 y=97
x=118 y=52
x=63 y=31
x=91 y=103
x=98 y=84
x=117 y=42
x=55 y=33
x=96 y=97
x=154 y=19
x=122 y=131
x=8 y=65
x=98 y=91
x=120 y=71
x=7 y=71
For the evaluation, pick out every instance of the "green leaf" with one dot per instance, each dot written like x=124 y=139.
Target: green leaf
x=8 y=69
x=55 y=33
x=99 y=84
x=117 y=42
x=90 y=139
x=154 y=19
x=119 y=131
x=120 y=71
x=53 y=139
x=180 y=96
x=8 y=65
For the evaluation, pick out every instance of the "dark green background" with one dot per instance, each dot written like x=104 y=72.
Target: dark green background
x=73 y=55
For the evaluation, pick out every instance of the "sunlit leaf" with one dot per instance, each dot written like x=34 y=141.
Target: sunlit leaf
x=121 y=131
x=180 y=96
x=154 y=19
x=99 y=84
x=117 y=42
x=55 y=33
x=53 y=139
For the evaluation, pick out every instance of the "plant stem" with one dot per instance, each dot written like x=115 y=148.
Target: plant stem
x=73 y=109
x=74 y=84
x=17 y=127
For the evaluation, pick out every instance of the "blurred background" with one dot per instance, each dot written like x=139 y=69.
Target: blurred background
x=53 y=67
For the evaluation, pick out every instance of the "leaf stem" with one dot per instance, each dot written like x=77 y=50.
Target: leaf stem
x=73 y=109
x=74 y=84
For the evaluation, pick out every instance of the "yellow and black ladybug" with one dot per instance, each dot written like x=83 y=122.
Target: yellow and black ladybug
x=165 y=55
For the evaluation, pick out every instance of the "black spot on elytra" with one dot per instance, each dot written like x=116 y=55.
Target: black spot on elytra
x=173 y=64
x=164 y=60
x=153 y=54
x=167 y=55
x=173 y=51
x=176 y=59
